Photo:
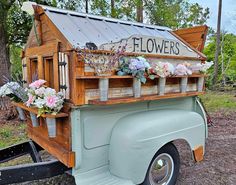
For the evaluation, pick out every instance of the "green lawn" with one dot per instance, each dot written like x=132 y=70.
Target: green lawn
x=215 y=101
x=12 y=133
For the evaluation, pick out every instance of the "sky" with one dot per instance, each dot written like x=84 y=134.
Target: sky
x=228 y=22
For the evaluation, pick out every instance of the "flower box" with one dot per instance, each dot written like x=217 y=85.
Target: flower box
x=50 y=118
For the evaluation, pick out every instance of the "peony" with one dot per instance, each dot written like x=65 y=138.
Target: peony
x=51 y=101
x=37 y=83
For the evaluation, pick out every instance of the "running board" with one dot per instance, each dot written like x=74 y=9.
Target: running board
x=100 y=177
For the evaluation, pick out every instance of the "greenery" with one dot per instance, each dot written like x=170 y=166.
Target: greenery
x=216 y=101
x=11 y=134
x=227 y=59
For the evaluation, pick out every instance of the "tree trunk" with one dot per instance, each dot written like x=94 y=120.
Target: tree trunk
x=86 y=6
x=139 y=11
x=4 y=54
x=113 y=12
x=216 y=64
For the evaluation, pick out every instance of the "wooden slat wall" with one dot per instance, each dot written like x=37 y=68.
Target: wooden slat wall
x=196 y=36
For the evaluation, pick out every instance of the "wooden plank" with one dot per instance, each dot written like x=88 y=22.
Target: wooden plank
x=40 y=67
x=67 y=157
x=53 y=28
x=78 y=85
x=194 y=29
x=35 y=111
x=44 y=50
x=196 y=36
x=202 y=56
x=129 y=76
x=143 y=98
x=56 y=69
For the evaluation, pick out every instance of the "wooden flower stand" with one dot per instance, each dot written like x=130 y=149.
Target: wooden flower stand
x=50 y=118
x=159 y=88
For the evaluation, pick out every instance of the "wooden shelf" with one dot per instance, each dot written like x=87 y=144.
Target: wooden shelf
x=129 y=76
x=35 y=111
x=144 y=98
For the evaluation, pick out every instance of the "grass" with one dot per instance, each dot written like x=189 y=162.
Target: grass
x=215 y=101
x=11 y=134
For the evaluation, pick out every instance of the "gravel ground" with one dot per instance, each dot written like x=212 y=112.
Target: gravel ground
x=218 y=167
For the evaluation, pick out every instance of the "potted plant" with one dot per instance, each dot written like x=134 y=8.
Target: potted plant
x=183 y=70
x=47 y=101
x=16 y=93
x=161 y=69
x=138 y=68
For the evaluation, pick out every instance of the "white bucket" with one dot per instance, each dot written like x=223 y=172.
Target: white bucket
x=136 y=87
x=161 y=86
x=183 y=84
x=103 y=88
x=34 y=119
x=52 y=129
x=200 y=84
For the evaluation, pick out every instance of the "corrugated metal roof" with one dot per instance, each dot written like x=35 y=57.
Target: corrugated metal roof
x=80 y=28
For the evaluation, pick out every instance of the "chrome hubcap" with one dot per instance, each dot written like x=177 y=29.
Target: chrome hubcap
x=161 y=170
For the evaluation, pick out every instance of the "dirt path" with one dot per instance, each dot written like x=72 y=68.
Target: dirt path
x=218 y=167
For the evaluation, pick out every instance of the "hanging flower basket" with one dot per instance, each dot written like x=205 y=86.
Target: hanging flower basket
x=103 y=88
x=34 y=119
x=200 y=84
x=183 y=84
x=161 y=86
x=136 y=87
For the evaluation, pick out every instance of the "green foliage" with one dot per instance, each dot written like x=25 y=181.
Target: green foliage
x=227 y=56
x=176 y=13
x=16 y=66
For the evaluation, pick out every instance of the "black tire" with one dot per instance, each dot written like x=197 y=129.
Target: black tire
x=172 y=151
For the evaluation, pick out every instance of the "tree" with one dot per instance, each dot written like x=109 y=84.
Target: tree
x=175 y=13
x=5 y=6
x=217 y=50
x=139 y=10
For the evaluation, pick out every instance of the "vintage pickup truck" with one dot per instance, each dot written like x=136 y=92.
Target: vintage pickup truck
x=122 y=139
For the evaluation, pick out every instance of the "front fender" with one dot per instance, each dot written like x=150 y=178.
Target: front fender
x=136 y=138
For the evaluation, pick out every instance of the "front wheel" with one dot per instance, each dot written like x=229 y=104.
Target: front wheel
x=164 y=167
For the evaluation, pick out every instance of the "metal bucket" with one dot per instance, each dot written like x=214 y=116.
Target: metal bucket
x=183 y=84
x=161 y=86
x=200 y=84
x=103 y=88
x=52 y=129
x=34 y=119
x=136 y=87
x=21 y=113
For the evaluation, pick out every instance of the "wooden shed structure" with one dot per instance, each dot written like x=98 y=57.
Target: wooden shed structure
x=51 y=53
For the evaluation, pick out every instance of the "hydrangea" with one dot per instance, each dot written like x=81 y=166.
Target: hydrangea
x=14 y=91
x=137 y=67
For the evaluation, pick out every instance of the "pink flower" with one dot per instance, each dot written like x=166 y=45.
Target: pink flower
x=51 y=101
x=30 y=100
x=37 y=83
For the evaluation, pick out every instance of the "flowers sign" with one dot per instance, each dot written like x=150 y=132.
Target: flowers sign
x=137 y=67
x=46 y=99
